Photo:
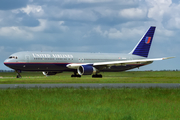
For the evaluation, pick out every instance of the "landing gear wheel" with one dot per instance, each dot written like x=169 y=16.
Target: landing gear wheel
x=18 y=76
x=75 y=75
x=97 y=76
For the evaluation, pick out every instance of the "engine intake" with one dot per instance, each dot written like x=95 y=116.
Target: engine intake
x=86 y=70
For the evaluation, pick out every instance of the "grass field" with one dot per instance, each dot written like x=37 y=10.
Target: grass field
x=112 y=77
x=90 y=104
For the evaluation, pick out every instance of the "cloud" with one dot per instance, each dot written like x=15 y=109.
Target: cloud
x=93 y=1
x=133 y=13
x=49 y=26
x=158 y=8
x=99 y=31
x=166 y=14
x=87 y=25
x=165 y=32
x=122 y=34
x=15 y=33
x=41 y=27
x=34 y=10
x=171 y=21
x=71 y=14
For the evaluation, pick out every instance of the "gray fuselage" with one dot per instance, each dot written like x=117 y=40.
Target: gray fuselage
x=57 y=61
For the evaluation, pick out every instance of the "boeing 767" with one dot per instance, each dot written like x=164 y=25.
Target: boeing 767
x=51 y=63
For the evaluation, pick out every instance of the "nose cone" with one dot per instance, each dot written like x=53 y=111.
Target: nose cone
x=7 y=62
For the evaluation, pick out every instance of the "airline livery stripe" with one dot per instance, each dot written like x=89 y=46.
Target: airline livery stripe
x=32 y=63
x=148 y=40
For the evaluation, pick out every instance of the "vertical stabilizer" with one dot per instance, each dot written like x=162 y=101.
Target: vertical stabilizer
x=143 y=46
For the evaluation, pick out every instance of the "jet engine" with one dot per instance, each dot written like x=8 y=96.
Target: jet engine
x=86 y=70
x=49 y=73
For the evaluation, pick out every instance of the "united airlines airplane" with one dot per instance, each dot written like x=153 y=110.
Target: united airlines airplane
x=51 y=63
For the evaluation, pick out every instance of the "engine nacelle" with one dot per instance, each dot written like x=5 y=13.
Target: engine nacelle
x=49 y=73
x=86 y=70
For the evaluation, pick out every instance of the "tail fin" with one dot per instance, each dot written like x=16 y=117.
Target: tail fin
x=143 y=46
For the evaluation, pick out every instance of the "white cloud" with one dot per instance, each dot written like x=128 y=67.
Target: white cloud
x=87 y=1
x=173 y=17
x=61 y=25
x=33 y=9
x=119 y=2
x=174 y=22
x=113 y=33
x=66 y=21
x=133 y=13
x=15 y=33
x=74 y=14
x=48 y=25
x=99 y=31
x=164 y=32
x=166 y=14
x=158 y=9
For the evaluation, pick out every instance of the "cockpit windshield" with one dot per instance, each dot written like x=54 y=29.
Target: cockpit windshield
x=13 y=57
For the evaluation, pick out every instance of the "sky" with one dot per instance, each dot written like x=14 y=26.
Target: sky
x=105 y=26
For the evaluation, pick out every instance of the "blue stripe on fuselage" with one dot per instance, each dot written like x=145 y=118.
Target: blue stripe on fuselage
x=38 y=66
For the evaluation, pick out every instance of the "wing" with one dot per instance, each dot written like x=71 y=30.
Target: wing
x=116 y=63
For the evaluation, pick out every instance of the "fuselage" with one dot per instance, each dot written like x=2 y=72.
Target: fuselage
x=58 y=61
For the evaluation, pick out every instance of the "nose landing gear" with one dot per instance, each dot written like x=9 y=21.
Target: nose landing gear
x=18 y=74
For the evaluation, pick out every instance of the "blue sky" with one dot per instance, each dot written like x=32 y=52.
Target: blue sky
x=106 y=26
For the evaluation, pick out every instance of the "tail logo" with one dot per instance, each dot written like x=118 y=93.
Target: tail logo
x=148 y=40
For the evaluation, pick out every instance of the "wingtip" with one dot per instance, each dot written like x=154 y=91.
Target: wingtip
x=167 y=58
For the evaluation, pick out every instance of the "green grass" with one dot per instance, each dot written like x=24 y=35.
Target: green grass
x=89 y=104
x=108 y=77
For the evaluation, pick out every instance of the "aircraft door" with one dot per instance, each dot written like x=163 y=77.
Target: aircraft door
x=27 y=58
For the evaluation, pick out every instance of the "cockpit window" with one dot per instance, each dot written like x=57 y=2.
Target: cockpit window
x=13 y=57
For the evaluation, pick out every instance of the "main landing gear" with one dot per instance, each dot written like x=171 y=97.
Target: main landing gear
x=97 y=76
x=75 y=75
x=18 y=74
x=93 y=76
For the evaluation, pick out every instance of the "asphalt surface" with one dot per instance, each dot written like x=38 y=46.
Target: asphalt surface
x=92 y=85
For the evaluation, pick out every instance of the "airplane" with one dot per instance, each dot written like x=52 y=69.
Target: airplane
x=51 y=63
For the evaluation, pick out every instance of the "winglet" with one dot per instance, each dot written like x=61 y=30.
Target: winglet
x=143 y=46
